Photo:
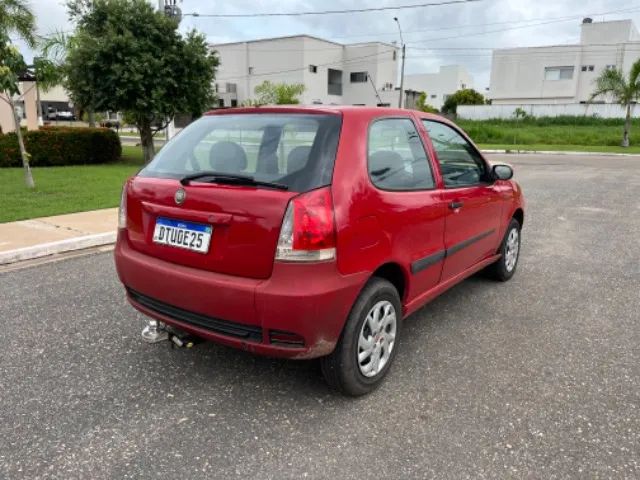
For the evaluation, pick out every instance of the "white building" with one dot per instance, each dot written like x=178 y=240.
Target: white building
x=333 y=73
x=438 y=86
x=563 y=73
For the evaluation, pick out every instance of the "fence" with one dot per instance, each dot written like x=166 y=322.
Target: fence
x=485 y=112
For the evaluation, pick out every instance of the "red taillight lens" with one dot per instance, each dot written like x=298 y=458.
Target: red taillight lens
x=313 y=221
x=308 y=230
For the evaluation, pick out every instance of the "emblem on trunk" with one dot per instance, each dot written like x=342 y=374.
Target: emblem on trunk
x=180 y=196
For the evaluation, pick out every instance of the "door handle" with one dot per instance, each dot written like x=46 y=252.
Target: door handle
x=455 y=205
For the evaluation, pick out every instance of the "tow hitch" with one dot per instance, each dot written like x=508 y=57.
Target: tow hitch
x=156 y=331
x=183 y=340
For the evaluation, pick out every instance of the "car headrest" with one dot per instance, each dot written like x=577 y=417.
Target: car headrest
x=228 y=157
x=382 y=161
x=297 y=158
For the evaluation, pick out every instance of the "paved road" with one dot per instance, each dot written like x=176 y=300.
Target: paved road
x=536 y=378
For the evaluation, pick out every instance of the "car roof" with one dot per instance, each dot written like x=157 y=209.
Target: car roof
x=326 y=109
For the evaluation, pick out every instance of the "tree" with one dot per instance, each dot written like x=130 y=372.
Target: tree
x=127 y=57
x=278 y=93
x=16 y=18
x=466 y=96
x=625 y=91
x=423 y=106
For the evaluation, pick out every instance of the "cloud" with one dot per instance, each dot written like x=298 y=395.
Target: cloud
x=428 y=31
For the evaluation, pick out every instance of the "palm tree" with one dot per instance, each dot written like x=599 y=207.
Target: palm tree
x=625 y=91
x=15 y=18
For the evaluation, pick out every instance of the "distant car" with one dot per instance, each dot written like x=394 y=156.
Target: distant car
x=65 y=115
x=307 y=232
x=110 y=124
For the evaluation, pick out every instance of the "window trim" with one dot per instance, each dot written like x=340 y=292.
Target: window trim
x=487 y=166
x=559 y=68
x=351 y=77
x=426 y=153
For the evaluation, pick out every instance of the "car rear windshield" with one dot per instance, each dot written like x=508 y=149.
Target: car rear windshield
x=297 y=150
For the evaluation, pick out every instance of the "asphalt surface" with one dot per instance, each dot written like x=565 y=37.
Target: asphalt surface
x=535 y=378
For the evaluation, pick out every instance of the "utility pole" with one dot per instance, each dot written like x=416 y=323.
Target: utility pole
x=401 y=97
x=170 y=9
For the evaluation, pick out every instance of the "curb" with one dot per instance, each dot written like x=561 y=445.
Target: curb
x=61 y=246
x=561 y=152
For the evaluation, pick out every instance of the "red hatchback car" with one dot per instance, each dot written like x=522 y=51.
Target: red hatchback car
x=306 y=232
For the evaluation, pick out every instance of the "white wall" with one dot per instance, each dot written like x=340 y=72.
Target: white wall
x=292 y=57
x=486 y=112
x=438 y=86
x=616 y=31
x=325 y=56
x=518 y=74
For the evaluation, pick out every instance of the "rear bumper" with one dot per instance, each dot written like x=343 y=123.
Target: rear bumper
x=311 y=302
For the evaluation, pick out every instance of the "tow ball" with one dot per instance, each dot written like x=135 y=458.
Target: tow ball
x=156 y=331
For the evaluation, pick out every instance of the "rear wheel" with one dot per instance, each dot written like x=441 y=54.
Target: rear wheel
x=505 y=267
x=369 y=341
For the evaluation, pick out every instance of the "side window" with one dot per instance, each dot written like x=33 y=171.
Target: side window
x=460 y=163
x=396 y=156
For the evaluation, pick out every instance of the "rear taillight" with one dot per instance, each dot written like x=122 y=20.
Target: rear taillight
x=308 y=230
x=122 y=211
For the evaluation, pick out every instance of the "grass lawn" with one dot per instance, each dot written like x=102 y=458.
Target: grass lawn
x=552 y=133
x=66 y=189
x=634 y=149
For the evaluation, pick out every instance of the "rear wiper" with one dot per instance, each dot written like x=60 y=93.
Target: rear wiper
x=230 y=178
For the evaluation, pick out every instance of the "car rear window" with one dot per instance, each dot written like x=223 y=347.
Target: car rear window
x=297 y=150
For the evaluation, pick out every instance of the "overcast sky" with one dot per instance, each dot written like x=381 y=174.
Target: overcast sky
x=430 y=33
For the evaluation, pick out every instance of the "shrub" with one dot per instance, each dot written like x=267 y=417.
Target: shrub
x=56 y=146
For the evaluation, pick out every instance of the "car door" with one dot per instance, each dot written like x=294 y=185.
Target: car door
x=405 y=199
x=472 y=224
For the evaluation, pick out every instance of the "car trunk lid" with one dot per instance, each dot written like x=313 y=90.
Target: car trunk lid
x=245 y=223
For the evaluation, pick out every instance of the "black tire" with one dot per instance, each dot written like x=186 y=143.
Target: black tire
x=341 y=368
x=500 y=270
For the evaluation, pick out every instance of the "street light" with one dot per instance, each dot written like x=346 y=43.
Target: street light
x=400 y=99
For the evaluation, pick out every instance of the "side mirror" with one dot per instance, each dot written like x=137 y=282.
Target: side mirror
x=502 y=172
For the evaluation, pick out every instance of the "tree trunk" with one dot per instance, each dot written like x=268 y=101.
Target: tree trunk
x=146 y=139
x=627 y=127
x=92 y=117
x=28 y=178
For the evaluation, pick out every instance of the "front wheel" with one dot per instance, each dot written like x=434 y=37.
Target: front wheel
x=369 y=341
x=505 y=267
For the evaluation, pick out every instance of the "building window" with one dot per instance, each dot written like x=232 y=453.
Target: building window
x=250 y=70
x=394 y=55
x=313 y=68
x=463 y=85
x=221 y=102
x=610 y=67
x=334 y=82
x=434 y=96
x=558 y=73
x=359 y=77
x=234 y=102
x=588 y=68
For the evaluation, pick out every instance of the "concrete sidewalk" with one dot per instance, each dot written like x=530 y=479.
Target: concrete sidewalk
x=39 y=237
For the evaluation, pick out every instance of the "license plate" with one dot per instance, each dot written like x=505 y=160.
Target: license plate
x=181 y=234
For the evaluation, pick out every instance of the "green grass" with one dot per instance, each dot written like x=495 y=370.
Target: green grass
x=565 y=148
x=66 y=189
x=581 y=131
